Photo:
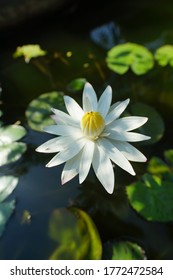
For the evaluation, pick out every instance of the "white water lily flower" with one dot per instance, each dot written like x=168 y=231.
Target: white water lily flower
x=94 y=135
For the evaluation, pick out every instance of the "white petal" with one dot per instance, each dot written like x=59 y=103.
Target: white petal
x=50 y=146
x=127 y=136
x=73 y=108
x=89 y=98
x=117 y=111
x=130 y=152
x=86 y=160
x=57 y=144
x=105 y=101
x=103 y=169
x=71 y=169
x=63 y=118
x=63 y=130
x=115 y=155
x=127 y=123
x=65 y=155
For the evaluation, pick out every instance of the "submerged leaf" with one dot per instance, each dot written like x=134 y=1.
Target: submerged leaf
x=123 y=251
x=7 y=185
x=154 y=127
x=39 y=110
x=152 y=197
x=6 y=209
x=164 y=55
x=76 y=235
x=129 y=55
x=29 y=51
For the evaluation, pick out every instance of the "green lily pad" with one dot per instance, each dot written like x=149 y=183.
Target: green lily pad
x=6 y=209
x=129 y=55
x=152 y=198
x=123 y=251
x=157 y=166
x=76 y=235
x=39 y=112
x=11 y=133
x=29 y=51
x=7 y=185
x=76 y=85
x=164 y=55
x=154 y=127
x=11 y=152
x=9 y=149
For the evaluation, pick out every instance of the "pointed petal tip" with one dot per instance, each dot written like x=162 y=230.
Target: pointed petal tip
x=110 y=190
x=63 y=181
x=109 y=88
x=127 y=100
x=87 y=84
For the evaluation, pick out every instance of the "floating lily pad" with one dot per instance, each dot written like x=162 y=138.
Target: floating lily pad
x=164 y=55
x=155 y=125
x=123 y=251
x=152 y=197
x=39 y=112
x=6 y=209
x=11 y=133
x=7 y=185
x=129 y=55
x=76 y=235
x=76 y=85
x=11 y=152
x=157 y=166
x=29 y=51
x=9 y=149
x=162 y=168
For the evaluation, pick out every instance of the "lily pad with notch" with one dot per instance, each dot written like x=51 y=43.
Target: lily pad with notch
x=132 y=56
x=39 y=112
x=122 y=250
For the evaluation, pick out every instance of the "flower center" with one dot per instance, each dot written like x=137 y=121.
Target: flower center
x=92 y=124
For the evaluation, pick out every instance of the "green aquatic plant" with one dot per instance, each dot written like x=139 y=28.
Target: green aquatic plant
x=130 y=55
x=164 y=55
x=10 y=149
x=29 y=52
x=152 y=195
x=76 y=235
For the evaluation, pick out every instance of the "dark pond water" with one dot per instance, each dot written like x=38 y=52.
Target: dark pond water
x=39 y=190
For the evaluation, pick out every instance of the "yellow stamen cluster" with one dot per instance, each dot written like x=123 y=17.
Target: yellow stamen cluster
x=92 y=124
